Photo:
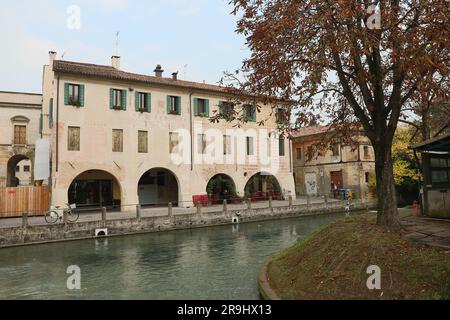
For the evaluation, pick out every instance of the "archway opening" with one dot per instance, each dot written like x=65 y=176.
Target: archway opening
x=221 y=187
x=19 y=171
x=261 y=186
x=157 y=187
x=95 y=189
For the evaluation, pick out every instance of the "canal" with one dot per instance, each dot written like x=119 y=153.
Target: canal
x=208 y=263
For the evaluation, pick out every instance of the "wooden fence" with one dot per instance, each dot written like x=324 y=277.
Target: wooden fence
x=15 y=201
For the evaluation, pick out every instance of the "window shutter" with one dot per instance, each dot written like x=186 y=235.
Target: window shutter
x=148 y=103
x=195 y=107
x=137 y=100
x=111 y=98
x=207 y=107
x=168 y=104
x=50 y=113
x=179 y=105
x=41 y=123
x=66 y=94
x=244 y=113
x=221 y=108
x=253 y=113
x=81 y=95
x=124 y=100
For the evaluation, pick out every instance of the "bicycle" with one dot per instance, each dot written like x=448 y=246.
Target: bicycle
x=55 y=214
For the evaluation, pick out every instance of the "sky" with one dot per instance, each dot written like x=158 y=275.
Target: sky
x=194 y=37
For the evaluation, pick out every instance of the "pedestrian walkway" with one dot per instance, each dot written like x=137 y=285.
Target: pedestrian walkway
x=130 y=212
x=427 y=231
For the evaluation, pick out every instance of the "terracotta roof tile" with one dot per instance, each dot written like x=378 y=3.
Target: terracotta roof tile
x=309 y=131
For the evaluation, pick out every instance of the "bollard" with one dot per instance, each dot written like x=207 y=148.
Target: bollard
x=308 y=202
x=169 y=207
x=249 y=204
x=24 y=219
x=199 y=208
x=65 y=217
x=104 y=214
x=138 y=212
x=325 y=199
x=290 y=201
x=270 y=204
x=225 y=207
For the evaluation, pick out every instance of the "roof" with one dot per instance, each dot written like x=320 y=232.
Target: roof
x=309 y=131
x=439 y=144
x=108 y=72
x=20 y=99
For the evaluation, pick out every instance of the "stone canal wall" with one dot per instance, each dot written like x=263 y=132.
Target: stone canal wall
x=37 y=234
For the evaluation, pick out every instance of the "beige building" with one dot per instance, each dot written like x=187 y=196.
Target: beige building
x=123 y=139
x=19 y=129
x=337 y=168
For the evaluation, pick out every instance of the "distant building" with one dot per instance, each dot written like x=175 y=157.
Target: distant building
x=20 y=123
x=339 y=167
x=435 y=194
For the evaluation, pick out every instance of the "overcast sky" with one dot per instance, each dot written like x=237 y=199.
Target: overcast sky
x=173 y=33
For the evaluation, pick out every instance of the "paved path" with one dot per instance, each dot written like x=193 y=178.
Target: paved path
x=156 y=212
x=428 y=231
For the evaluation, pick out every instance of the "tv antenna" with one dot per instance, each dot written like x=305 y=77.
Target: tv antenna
x=62 y=56
x=117 y=43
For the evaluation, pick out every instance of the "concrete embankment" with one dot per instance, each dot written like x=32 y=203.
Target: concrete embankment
x=37 y=234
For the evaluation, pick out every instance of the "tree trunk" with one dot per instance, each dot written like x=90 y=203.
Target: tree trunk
x=387 y=200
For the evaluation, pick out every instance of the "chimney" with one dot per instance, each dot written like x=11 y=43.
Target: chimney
x=158 y=71
x=115 y=62
x=52 y=57
x=175 y=76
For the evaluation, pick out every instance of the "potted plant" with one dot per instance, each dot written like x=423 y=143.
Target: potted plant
x=175 y=112
x=117 y=107
x=74 y=102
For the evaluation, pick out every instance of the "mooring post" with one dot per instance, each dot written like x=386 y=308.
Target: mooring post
x=308 y=202
x=169 y=208
x=270 y=204
x=325 y=199
x=249 y=203
x=290 y=201
x=24 y=219
x=104 y=215
x=65 y=217
x=138 y=212
x=225 y=207
x=199 y=208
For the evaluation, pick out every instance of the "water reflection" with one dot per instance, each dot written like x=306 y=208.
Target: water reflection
x=211 y=263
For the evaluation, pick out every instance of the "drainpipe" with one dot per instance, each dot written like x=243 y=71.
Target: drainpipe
x=191 y=129
x=57 y=125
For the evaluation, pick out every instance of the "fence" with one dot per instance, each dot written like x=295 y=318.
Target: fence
x=16 y=201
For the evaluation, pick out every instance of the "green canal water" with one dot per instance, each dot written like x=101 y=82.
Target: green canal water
x=208 y=263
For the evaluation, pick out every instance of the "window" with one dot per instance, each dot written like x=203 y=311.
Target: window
x=17 y=168
x=73 y=139
x=174 y=105
x=282 y=152
x=118 y=99
x=142 y=141
x=281 y=116
x=440 y=170
x=26 y=168
x=143 y=102
x=335 y=150
x=366 y=152
x=20 y=134
x=201 y=107
x=226 y=145
x=309 y=153
x=117 y=140
x=74 y=94
x=226 y=110
x=367 y=177
x=250 y=113
x=173 y=142
x=299 y=153
x=250 y=146
x=201 y=143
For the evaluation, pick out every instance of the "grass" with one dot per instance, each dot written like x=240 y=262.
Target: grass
x=332 y=264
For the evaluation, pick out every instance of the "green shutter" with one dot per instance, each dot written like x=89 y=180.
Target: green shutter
x=168 y=104
x=81 y=95
x=41 y=123
x=124 y=100
x=244 y=113
x=148 y=103
x=50 y=113
x=221 y=108
x=207 y=107
x=179 y=105
x=66 y=94
x=254 y=114
x=195 y=107
x=111 y=98
x=136 y=96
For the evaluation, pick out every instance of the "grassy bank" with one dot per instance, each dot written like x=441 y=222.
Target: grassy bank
x=332 y=264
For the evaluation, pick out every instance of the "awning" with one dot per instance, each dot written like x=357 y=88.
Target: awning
x=436 y=145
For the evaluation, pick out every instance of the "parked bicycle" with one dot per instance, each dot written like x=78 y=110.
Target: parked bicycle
x=55 y=214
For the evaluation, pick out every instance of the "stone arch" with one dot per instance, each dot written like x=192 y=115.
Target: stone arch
x=18 y=155
x=158 y=186
x=221 y=187
x=263 y=185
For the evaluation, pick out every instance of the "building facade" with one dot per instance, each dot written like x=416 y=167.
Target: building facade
x=339 y=167
x=19 y=129
x=123 y=139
